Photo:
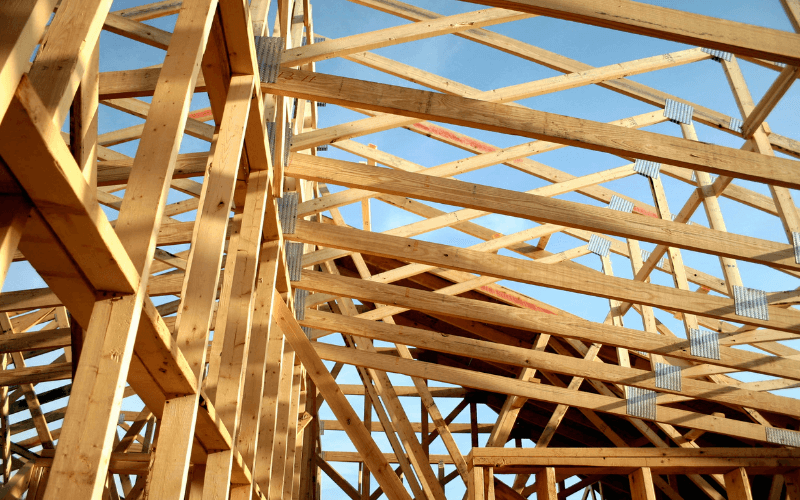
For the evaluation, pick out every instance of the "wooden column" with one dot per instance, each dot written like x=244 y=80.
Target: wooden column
x=170 y=461
x=12 y=221
x=546 y=484
x=738 y=485
x=641 y=481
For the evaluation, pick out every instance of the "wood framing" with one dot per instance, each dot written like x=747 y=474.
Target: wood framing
x=205 y=252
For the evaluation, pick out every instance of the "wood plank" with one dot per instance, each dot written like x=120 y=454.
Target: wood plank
x=23 y=23
x=546 y=484
x=111 y=333
x=70 y=40
x=52 y=179
x=578 y=280
x=12 y=222
x=199 y=288
x=641 y=481
x=536 y=359
x=538 y=321
x=341 y=47
x=541 y=209
x=558 y=395
x=767 y=103
x=564 y=64
x=344 y=412
x=737 y=485
x=668 y=24
x=534 y=124
x=135 y=83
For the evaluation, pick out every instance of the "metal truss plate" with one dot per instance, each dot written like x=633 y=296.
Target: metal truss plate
x=268 y=54
x=717 y=55
x=287 y=144
x=647 y=168
x=783 y=436
x=287 y=211
x=641 y=403
x=736 y=124
x=704 y=343
x=294 y=259
x=796 y=244
x=599 y=245
x=678 y=112
x=620 y=204
x=750 y=302
x=317 y=39
x=668 y=376
x=300 y=303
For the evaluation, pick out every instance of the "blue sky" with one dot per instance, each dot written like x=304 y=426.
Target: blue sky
x=485 y=68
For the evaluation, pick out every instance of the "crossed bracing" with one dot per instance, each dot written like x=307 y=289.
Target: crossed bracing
x=261 y=366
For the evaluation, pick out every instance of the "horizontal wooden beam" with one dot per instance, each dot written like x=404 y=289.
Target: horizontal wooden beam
x=541 y=209
x=560 y=277
x=689 y=460
x=528 y=358
x=29 y=341
x=135 y=83
x=668 y=24
x=550 y=394
x=534 y=124
x=544 y=322
x=36 y=374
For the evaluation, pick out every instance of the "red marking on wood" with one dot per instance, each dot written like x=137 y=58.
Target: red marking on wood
x=645 y=212
x=200 y=113
x=454 y=137
x=516 y=300
x=497 y=235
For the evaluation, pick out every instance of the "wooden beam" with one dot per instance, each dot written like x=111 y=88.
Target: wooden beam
x=767 y=103
x=668 y=24
x=329 y=49
x=540 y=209
x=641 y=481
x=578 y=280
x=738 y=485
x=534 y=124
x=536 y=359
x=12 y=221
x=24 y=23
x=537 y=321
x=105 y=361
x=546 y=484
x=66 y=53
x=358 y=434
x=200 y=286
x=564 y=64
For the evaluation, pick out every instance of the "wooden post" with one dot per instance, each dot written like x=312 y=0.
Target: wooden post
x=546 y=484
x=641 y=481
x=738 y=485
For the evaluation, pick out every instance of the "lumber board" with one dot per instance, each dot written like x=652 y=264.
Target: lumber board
x=539 y=321
x=52 y=179
x=534 y=124
x=370 y=453
x=552 y=394
x=571 y=279
x=668 y=24
x=541 y=209
x=527 y=358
